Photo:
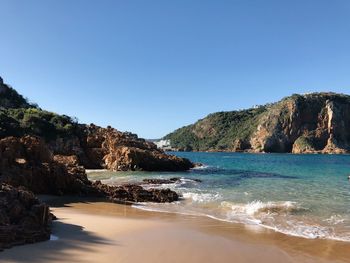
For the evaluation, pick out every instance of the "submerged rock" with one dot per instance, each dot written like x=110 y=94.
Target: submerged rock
x=168 y=181
x=161 y=181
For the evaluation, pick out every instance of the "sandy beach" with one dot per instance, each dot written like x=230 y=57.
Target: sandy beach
x=106 y=232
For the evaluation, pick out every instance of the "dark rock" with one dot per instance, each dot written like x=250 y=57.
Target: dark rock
x=136 y=193
x=167 y=181
x=23 y=218
x=160 y=181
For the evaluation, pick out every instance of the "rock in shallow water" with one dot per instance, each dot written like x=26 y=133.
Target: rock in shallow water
x=168 y=181
x=136 y=193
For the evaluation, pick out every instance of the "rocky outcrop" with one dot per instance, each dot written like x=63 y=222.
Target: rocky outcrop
x=23 y=218
x=28 y=162
x=108 y=148
x=136 y=193
x=310 y=123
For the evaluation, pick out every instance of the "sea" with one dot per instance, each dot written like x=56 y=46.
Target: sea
x=299 y=195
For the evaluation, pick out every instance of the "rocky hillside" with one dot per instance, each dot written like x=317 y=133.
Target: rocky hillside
x=92 y=146
x=311 y=123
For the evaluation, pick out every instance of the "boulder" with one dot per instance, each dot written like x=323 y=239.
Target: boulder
x=114 y=150
x=23 y=218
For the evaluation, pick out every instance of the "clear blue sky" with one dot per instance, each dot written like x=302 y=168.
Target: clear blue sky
x=152 y=66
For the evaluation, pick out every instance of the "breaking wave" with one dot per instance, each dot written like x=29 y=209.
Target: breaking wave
x=257 y=207
x=275 y=215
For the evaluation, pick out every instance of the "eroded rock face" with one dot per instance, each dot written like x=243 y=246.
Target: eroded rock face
x=314 y=123
x=23 y=218
x=240 y=145
x=114 y=150
x=28 y=162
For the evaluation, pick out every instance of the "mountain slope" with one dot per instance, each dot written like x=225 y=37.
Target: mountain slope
x=311 y=123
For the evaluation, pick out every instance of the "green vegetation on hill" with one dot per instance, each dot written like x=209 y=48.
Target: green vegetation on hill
x=314 y=122
x=42 y=123
x=19 y=117
x=217 y=131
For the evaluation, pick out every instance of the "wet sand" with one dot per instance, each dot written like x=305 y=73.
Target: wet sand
x=105 y=232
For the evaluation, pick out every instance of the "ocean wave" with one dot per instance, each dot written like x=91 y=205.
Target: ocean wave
x=201 y=167
x=257 y=206
x=181 y=182
x=248 y=214
x=201 y=197
x=309 y=231
x=335 y=220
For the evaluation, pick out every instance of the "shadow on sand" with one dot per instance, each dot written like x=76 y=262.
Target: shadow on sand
x=71 y=237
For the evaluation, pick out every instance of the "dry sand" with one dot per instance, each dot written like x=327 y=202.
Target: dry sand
x=105 y=232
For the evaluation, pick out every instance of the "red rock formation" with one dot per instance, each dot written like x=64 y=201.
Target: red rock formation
x=114 y=150
x=108 y=148
x=28 y=162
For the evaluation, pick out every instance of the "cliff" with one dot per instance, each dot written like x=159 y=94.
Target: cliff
x=311 y=123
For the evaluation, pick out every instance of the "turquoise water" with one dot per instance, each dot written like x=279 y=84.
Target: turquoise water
x=301 y=195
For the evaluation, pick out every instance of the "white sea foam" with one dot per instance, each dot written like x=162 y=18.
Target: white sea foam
x=181 y=183
x=88 y=171
x=257 y=206
x=201 y=197
x=201 y=167
x=335 y=220
x=310 y=231
x=245 y=214
x=53 y=238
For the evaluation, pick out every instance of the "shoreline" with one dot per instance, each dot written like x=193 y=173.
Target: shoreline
x=96 y=231
x=249 y=152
